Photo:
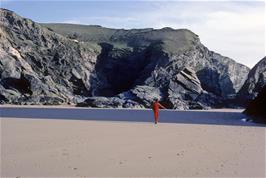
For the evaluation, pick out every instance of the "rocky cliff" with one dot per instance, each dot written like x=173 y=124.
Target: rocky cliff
x=38 y=66
x=101 y=67
x=255 y=81
x=256 y=108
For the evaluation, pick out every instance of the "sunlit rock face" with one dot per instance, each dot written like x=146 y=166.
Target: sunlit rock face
x=38 y=66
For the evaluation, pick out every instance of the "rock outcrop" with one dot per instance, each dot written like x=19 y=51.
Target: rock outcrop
x=156 y=49
x=38 y=66
x=256 y=108
x=254 y=83
x=101 y=67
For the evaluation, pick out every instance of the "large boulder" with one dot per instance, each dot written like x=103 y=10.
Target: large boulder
x=256 y=108
x=255 y=81
x=185 y=86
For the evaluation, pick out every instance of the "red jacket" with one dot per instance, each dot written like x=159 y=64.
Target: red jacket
x=156 y=106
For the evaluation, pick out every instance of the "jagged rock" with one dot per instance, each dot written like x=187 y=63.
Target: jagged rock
x=7 y=95
x=145 y=95
x=109 y=102
x=156 y=50
x=188 y=79
x=38 y=66
x=138 y=97
x=256 y=108
x=255 y=81
x=183 y=92
x=209 y=100
x=101 y=67
x=184 y=87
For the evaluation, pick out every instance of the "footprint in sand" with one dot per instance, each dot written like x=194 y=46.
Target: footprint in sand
x=180 y=154
x=74 y=168
x=122 y=162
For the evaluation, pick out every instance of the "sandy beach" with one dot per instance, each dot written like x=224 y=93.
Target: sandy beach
x=87 y=148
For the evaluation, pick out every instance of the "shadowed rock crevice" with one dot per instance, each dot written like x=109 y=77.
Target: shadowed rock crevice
x=22 y=85
x=210 y=81
x=3 y=99
x=78 y=86
x=117 y=69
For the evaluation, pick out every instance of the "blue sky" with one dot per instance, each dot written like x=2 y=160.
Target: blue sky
x=233 y=28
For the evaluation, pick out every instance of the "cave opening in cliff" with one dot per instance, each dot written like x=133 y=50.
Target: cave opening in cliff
x=118 y=69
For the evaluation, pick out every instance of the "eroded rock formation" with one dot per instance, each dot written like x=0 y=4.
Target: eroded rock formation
x=101 y=67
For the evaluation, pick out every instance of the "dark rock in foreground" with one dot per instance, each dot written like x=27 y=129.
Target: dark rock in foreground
x=257 y=107
x=255 y=81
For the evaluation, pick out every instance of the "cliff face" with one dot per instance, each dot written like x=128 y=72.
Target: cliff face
x=255 y=81
x=101 y=67
x=175 y=49
x=256 y=108
x=38 y=66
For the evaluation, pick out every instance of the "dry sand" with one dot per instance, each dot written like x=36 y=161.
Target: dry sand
x=70 y=148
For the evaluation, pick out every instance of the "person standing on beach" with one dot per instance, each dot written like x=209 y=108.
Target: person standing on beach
x=155 y=107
